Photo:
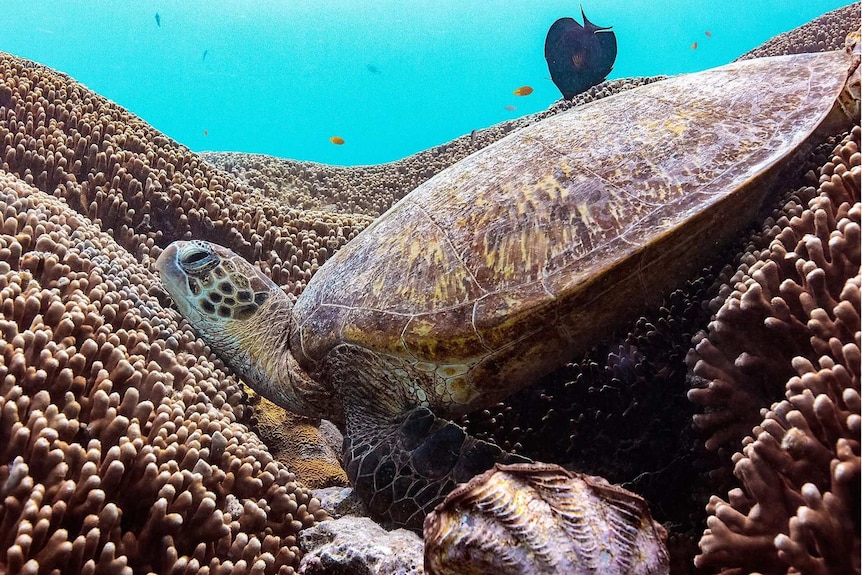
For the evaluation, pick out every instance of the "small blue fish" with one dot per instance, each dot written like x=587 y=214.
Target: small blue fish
x=372 y=68
x=158 y=20
x=205 y=55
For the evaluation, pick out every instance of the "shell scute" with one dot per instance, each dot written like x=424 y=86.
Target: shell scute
x=509 y=315
x=562 y=229
x=420 y=336
x=321 y=330
x=376 y=329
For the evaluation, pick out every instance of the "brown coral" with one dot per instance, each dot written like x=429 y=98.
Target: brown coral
x=121 y=448
x=797 y=509
x=775 y=311
x=120 y=439
x=299 y=443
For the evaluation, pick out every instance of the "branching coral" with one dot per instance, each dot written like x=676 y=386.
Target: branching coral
x=121 y=447
x=777 y=306
x=797 y=509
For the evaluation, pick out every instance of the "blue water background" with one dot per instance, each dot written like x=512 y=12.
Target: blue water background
x=391 y=77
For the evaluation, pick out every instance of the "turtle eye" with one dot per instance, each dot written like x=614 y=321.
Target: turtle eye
x=199 y=261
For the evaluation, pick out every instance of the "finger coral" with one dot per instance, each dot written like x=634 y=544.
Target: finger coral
x=120 y=442
x=776 y=309
x=119 y=432
x=796 y=306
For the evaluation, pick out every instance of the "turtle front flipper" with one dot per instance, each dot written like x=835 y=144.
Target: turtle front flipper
x=403 y=467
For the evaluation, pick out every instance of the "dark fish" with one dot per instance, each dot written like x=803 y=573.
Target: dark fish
x=708 y=34
x=372 y=68
x=205 y=55
x=158 y=20
x=579 y=57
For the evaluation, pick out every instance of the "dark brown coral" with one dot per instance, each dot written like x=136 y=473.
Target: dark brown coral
x=772 y=316
x=797 y=508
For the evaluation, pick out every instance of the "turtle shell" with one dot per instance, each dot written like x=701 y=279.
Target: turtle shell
x=502 y=266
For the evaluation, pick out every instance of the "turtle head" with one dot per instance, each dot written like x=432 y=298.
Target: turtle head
x=243 y=316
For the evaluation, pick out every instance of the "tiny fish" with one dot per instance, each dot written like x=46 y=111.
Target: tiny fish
x=158 y=20
x=523 y=91
x=708 y=34
x=473 y=135
x=337 y=140
x=372 y=68
x=694 y=46
x=206 y=133
x=205 y=55
x=511 y=108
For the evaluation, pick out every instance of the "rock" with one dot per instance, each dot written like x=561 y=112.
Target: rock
x=358 y=546
x=340 y=501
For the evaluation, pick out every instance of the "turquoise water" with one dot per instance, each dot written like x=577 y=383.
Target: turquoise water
x=391 y=77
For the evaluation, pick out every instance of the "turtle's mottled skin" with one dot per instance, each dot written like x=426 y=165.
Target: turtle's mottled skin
x=501 y=267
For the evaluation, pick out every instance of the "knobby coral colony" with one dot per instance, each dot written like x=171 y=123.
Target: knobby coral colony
x=122 y=437
x=794 y=307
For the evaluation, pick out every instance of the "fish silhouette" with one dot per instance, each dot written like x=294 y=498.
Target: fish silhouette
x=579 y=57
x=158 y=20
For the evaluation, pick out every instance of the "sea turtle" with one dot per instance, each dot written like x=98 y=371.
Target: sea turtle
x=501 y=267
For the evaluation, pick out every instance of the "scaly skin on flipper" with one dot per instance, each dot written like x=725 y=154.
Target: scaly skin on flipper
x=402 y=468
x=500 y=268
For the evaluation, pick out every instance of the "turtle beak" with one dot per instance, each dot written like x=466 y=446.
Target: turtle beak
x=167 y=264
x=172 y=275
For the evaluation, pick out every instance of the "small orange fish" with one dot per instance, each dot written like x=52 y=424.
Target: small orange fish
x=337 y=140
x=708 y=34
x=694 y=46
x=206 y=133
x=523 y=91
x=511 y=108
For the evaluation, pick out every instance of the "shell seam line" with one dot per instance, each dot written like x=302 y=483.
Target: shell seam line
x=467 y=269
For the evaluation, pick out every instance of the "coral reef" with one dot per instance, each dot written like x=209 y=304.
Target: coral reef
x=536 y=519
x=119 y=439
x=822 y=34
x=800 y=261
x=797 y=303
x=124 y=441
x=120 y=433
